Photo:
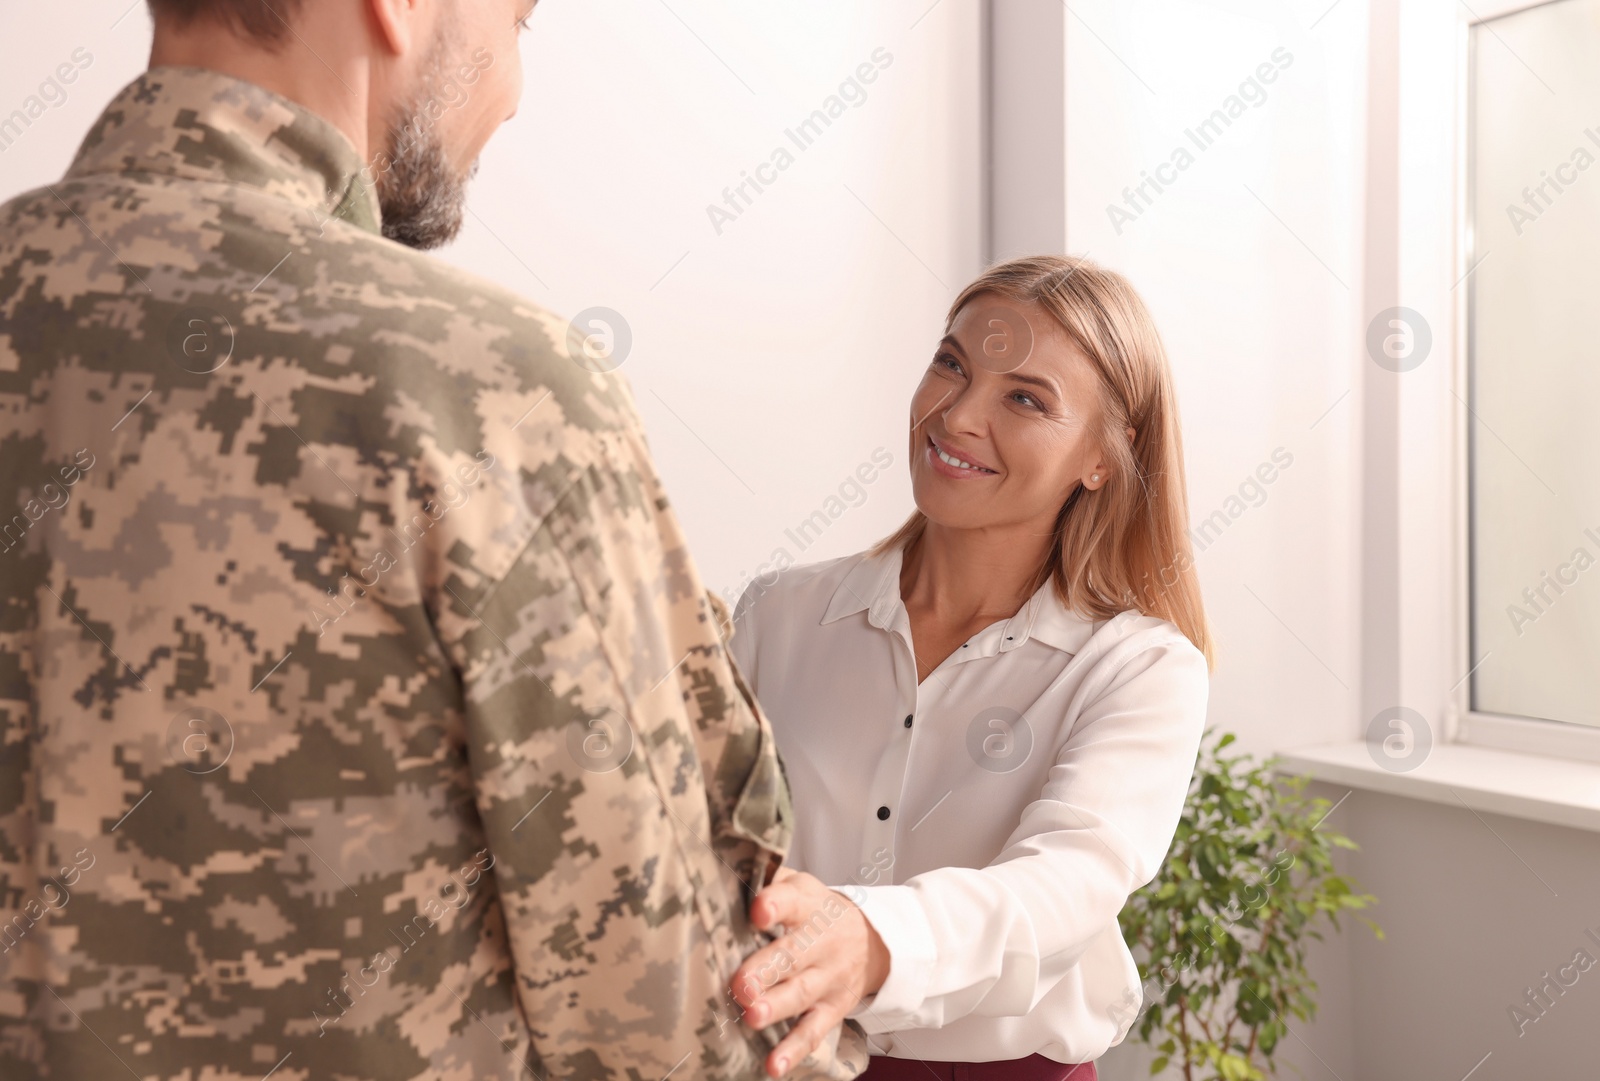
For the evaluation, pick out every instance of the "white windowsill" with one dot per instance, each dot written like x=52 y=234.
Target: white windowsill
x=1561 y=792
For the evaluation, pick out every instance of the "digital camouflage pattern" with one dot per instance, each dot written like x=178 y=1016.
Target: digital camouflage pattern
x=364 y=715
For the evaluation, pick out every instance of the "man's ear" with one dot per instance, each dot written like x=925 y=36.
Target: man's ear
x=395 y=22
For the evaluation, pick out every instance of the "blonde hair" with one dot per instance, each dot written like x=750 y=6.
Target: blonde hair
x=1124 y=545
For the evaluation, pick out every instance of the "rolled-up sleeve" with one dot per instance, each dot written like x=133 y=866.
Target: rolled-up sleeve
x=992 y=941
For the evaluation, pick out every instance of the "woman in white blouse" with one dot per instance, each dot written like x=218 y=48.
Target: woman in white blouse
x=990 y=720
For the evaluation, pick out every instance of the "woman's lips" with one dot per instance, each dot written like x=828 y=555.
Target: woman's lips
x=970 y=471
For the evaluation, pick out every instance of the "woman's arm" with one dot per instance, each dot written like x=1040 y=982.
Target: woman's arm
x=976 y=940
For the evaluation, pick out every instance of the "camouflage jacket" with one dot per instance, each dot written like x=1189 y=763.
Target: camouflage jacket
x=364 y=715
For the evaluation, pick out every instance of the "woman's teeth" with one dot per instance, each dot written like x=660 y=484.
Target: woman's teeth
x=957 y=462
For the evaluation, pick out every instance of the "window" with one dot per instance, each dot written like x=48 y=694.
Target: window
x=1534 y=362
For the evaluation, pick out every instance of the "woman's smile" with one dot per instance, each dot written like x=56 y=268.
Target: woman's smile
x=955 y=465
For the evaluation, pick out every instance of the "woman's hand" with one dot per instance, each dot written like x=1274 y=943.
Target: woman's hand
x=828 y=959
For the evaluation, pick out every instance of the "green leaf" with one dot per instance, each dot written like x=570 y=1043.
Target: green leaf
x=1248 y=882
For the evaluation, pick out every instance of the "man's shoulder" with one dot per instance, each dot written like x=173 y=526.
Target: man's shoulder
x=237 y=274
x=213 y=233
x=303 y=351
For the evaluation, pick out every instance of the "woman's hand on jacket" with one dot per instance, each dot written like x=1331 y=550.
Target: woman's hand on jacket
x=827 y=960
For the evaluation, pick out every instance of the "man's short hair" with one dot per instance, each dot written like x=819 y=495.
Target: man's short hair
x=266 y=21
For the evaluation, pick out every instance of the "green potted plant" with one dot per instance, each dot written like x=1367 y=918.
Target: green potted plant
x=1221 y=934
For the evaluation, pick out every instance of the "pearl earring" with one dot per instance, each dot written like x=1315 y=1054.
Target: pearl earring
x=1095 y=477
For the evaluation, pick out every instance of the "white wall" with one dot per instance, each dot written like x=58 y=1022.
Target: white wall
x=769 y=361
x=1477 y=910
x=34 y=41
x=772 y=359
x=1251 y=260
x=1251 y=263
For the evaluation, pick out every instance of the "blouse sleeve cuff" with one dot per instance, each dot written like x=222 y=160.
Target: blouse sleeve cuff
x=897 y=916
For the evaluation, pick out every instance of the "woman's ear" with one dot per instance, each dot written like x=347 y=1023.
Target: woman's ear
x=1100 y=472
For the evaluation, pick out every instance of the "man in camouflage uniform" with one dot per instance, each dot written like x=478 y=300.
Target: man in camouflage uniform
x=364 y=715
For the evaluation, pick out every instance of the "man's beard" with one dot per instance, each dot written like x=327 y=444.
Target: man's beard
x=422 y=196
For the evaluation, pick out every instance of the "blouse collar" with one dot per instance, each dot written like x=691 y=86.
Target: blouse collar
x=873 y=586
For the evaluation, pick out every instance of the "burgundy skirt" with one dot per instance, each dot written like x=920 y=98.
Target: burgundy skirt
x=1032 y=1068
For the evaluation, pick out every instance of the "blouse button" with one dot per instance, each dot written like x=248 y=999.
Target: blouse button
x=908 y=720
x=883 y=813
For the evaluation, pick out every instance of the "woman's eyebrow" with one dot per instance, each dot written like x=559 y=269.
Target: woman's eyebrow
x=1035 y=381
x=949 y=342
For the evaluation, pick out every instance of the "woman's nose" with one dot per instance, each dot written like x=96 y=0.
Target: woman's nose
x=964 y=414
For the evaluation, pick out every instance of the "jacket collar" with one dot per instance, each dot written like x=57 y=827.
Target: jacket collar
x=201 y=125
x=872 y=585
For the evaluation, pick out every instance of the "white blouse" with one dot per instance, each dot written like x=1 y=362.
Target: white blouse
x=992 y=821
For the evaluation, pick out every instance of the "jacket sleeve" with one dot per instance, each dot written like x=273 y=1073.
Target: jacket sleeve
x=629 y=789
x=742 y=635
x=986 y=940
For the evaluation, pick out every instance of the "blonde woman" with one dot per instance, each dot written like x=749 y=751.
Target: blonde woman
x=990 y=719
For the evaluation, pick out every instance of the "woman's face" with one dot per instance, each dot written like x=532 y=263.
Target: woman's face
x=1001 y=423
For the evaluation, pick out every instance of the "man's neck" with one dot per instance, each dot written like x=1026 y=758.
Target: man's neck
x=335 y=87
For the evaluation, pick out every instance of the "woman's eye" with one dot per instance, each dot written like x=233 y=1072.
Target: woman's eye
x=945 y=360
x=1022 y=398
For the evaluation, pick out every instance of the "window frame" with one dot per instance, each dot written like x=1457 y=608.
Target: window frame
x=1526 y=735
